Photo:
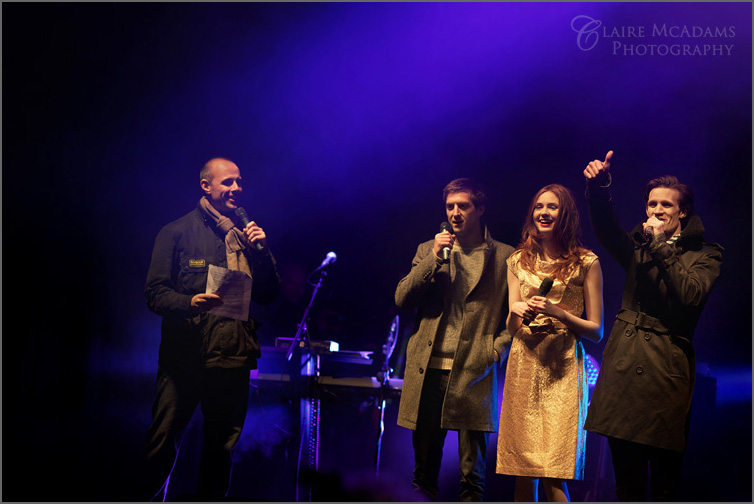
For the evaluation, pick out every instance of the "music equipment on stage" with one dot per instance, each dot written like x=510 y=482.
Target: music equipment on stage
x=322 y=367
x=272 y=366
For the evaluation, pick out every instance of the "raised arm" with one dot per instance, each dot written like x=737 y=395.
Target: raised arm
x=601 y=213
x=426 y=263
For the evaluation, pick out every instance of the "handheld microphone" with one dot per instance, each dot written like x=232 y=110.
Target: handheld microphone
x=243 y=218
x=544 y=288
x=445 y=226
x=649 y=233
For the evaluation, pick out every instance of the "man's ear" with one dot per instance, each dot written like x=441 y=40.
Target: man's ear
x=205 y=185
x=682 y=215
x=481 y=209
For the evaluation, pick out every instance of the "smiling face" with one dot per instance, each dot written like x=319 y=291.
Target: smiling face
x=464 y=216
x=663 y=205
x=546 y=212
x=223 y=186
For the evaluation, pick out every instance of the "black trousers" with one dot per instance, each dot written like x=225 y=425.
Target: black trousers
x=630 y=463
x=223 y=395
x=428 y=440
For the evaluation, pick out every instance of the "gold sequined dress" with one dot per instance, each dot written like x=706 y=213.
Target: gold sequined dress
x=545 y=393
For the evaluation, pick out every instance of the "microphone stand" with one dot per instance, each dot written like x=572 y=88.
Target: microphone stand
x=308 y=401
x=301 y=328
x=384 y=377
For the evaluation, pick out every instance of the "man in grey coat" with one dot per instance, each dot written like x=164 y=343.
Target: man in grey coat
x=458 y=283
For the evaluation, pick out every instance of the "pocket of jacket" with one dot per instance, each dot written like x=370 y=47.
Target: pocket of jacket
x=678 y=363
x=193 y=273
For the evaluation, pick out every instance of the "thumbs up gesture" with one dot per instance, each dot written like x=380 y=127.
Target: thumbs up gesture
x=597 y=168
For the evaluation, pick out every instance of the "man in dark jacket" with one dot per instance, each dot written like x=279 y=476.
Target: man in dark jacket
x=642 y=398
x=204 y=358
x=458 y=282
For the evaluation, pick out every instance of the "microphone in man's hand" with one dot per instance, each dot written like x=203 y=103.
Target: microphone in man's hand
x=243 y=218
x=649 y=233
x=445 y=226
x=544 y=288
x=644 y=236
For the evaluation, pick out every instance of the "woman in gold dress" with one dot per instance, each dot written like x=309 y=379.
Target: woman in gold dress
x=545 y=393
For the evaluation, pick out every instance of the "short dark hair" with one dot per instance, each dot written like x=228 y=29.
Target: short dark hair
x=685 y=195
x=476 y=193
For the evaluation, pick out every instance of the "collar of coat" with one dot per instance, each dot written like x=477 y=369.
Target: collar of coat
x=691 y=232
x=487 y=237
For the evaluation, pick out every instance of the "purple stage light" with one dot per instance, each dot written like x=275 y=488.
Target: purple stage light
x=592 y=371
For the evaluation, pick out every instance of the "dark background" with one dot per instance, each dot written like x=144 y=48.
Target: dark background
x=346 y=120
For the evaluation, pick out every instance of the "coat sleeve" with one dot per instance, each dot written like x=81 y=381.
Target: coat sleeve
x=503 y=339
x=502 y=344
x=412 y=287
x=690 y=285
x=606 y=227
x=266 y=285
x=160 y=291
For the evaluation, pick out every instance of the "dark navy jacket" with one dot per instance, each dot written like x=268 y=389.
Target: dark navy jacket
x=183 y=251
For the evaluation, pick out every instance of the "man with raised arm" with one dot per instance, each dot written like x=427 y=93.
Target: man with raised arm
x=642 y=399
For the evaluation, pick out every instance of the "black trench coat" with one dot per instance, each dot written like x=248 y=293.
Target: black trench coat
x=644 y=389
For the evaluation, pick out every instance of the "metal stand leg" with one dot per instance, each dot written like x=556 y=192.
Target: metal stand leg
x=309 y=422
x=384 y=377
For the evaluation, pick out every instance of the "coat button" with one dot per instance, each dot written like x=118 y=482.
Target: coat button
x=421 y=370
x=647 y=336
x=639 y=370
x=629 y=332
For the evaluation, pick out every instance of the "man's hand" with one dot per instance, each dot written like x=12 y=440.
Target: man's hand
x=598 y=168
x=201 y=303
x=442 y=240
x=255 y=235
x=658 y=226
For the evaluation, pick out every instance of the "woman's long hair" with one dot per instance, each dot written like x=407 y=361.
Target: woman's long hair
x=566 y=235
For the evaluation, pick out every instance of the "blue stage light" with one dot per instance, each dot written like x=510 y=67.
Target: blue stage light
x=592 y=370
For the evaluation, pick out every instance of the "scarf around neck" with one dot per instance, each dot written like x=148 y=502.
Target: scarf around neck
x=235 y=241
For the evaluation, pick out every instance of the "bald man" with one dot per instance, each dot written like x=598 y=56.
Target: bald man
x=204 y=358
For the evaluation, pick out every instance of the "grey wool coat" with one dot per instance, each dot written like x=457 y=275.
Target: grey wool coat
x=471 y=397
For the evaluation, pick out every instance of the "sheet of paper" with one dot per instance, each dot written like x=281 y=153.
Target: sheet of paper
x=234 y=287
